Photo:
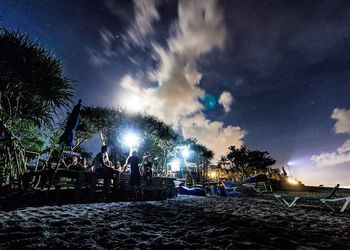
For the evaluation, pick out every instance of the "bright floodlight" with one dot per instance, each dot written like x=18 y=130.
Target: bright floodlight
x=175 y=165
x=185 y=152
x=131 y=140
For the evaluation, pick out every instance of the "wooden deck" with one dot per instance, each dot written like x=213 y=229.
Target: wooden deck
x=72 y=186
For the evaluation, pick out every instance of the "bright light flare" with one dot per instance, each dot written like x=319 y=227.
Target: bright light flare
x=131 y=140
x=212 y=174
x=175 y=165
x=291 y=181
x=185 y=152
x=132 y=103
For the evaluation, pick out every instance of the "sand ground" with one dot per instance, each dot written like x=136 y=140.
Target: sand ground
x=182 y=223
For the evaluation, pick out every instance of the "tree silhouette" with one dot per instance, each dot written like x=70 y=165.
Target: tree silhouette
x=98 y=120
x=32 y=83
x=260 y=160
x=33 y=90
x=244 y=160
x=110 y=123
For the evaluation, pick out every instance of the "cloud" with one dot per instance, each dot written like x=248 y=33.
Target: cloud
x=145 y=13
x=199 y=29
x=117 y=8
x=96 y=58
x=102 y=57
x=345 y=148
x=343 y=120
x=331 y=159
x=226 y=100
x=212 y=134
x=342 y=154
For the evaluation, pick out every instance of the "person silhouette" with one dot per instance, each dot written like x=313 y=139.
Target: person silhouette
x=135 y=175
x=147 y=168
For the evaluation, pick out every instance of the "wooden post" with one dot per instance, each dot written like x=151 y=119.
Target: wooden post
x=51 y=181
x=107 y=187
x=78 y=185
x=93 y=187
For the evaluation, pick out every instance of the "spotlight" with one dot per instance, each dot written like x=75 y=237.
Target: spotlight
x=175 y=165
x=185 y=152
x=131 y=140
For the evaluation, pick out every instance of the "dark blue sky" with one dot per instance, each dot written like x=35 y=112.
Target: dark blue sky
x=286 y=63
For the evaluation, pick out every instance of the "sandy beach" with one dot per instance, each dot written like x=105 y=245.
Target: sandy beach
x=182 y=223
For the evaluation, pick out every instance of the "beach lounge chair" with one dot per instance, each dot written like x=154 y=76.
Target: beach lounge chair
x=259 y=187
x=286 y=201
x=289 y=201
x=229 y=186
x=345 y=199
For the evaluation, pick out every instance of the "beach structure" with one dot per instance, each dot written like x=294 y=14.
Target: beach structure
x=291 y=201
x=331 y=200
x=76 y=186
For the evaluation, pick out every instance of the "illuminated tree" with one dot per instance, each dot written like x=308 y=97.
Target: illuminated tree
x=110 y=123
x=33 y=90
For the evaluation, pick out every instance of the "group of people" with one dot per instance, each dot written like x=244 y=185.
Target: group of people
x=75 y=162
x=138 y=167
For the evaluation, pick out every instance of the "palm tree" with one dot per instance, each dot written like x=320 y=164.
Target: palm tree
x=259 y=161
x=239 y=159
x=205 y=155
x=244 y=160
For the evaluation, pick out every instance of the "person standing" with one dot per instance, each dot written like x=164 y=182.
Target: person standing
x=101 y=162
x=135 y=175
x=103 y=166
x=147 y=169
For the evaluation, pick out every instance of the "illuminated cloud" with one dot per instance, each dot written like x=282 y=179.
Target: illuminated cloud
x=342 y=154
x=331 y=159
x=343 y=120
x=345 y=148
x=226 y=100
x=212 y=134
x=198 y=30
x=327 y=162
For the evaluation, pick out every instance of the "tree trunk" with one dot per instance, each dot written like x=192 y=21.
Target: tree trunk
x=102 y=138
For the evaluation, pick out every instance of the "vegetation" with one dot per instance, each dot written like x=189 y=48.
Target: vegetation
x=33 y=90
x=32 y=84
x=111 y=123
x=29 y=134
x=246 y=162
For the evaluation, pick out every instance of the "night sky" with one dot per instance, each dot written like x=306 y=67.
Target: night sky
x=274 y=75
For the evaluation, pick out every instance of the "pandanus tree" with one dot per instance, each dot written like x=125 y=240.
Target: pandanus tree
x=160 y=136
x=32 y=82
x=98 y=120
x=33 y=90
x=201 y=155
x=110 y=123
